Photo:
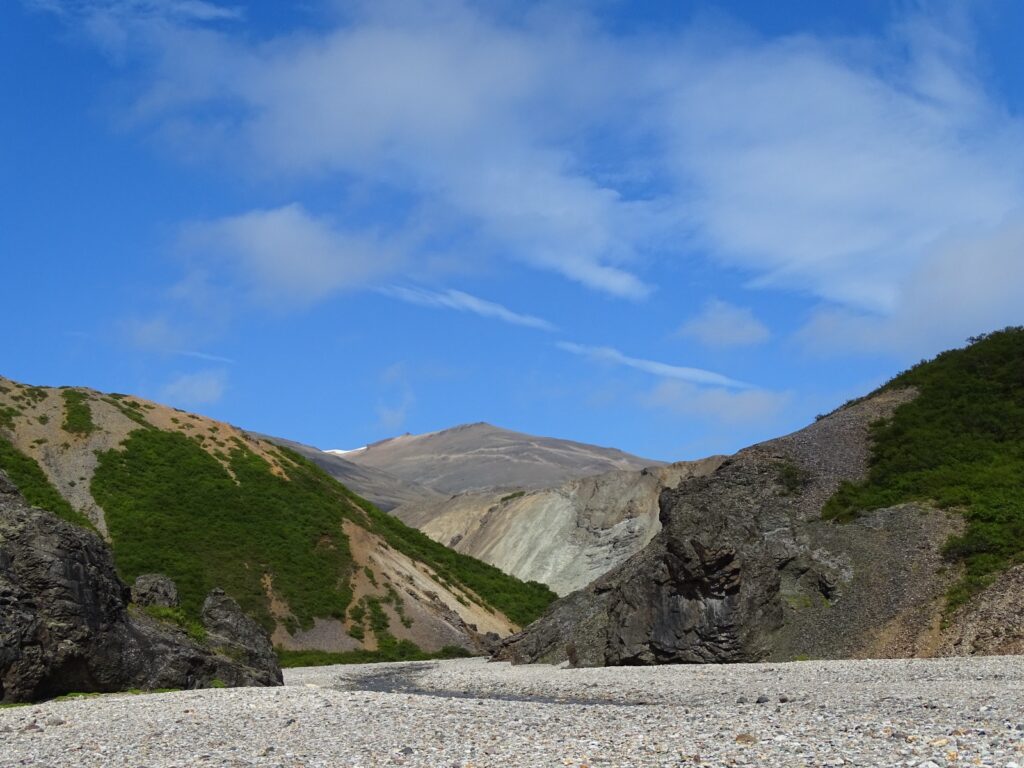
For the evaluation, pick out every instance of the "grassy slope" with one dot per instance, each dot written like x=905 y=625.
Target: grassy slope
x=172 y=507
x=959 y=445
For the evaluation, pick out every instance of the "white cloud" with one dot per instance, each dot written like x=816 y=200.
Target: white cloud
x=611 y=356
x=971 y=286
x=721 y=324
x=748 y=407
x=842 y=169
x=191 y=389
x=286 y=254
x=464 y=302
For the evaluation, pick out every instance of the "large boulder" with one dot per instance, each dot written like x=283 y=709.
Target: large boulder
x=155 y=589
x=66 y=626
x=235 y=634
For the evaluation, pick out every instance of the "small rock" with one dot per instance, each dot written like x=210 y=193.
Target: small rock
x=31 y=727
x=407 y=750
x=762 y=699
x=54 y=721
x=741 y=700
x=746 y=738
x=783 y=699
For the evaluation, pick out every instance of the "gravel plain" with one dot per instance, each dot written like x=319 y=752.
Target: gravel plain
x=921 y=713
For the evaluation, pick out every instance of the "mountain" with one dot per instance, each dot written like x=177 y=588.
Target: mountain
x=212 y=506
x=564 y=537
x=477 y=457
x=891 y=527
x=380 y=488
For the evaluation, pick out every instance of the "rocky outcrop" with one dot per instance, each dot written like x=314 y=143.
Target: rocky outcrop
x=155 y=589
x=66 y=625
x=745 y=569
x=564 y=537
x=236 y=635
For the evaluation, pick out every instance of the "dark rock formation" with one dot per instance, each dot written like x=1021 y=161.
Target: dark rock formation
x=65 y=623
x=745 y=569
x=235 y=634
x=155 y=589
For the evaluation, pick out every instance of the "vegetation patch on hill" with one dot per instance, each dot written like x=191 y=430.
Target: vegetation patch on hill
x=173 y=508
x=958 y=445
x=77 y=415
x=522 y=602
x=226 y=520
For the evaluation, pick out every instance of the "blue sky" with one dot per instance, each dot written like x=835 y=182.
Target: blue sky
x=676 y=228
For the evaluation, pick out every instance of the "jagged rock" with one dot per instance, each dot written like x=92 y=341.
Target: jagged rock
x=65 y=624
x=745 y=569
x=155 y=589
x=235 y=634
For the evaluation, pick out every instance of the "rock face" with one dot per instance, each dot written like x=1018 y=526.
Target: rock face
x=231 y=631
x=745 y=569
x=155 y=589
x=65 y=622
x=564 y=537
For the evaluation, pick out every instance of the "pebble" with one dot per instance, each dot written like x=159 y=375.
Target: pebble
x=461 y=713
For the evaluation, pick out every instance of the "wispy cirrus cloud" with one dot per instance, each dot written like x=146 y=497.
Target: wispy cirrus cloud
x=795 y=162
x=464 y=302
x=612 y=356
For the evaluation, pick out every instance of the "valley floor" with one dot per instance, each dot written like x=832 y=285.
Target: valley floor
x=920 y=713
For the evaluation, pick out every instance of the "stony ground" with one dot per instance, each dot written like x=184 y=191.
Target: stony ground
x=470 y=713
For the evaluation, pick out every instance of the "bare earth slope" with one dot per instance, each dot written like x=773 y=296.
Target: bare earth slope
x=564 y=537
x=375 y=485
x=476 y=457
x=391 y=595
x=745 y=569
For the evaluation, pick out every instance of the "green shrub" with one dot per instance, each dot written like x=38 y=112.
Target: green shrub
x=176 y=616
x=77 y=415
x=958 y=445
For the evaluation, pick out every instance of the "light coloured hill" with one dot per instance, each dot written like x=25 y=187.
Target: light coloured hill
x=564 y=537
x=375 y=485
x=477 y=457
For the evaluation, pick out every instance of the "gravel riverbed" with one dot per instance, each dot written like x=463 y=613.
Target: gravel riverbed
x=921 y=713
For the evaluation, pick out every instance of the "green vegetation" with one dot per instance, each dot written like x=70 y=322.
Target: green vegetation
x=8 y=413
x=522 y=602
x=176 y=616
x=26 y=473
x=402 y=651
x=77 y=416
x=792 y=478
x=511 y=496
x=173 y=508
x=958 y=445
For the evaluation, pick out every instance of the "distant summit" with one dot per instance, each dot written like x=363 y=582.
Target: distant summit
x=481 y=456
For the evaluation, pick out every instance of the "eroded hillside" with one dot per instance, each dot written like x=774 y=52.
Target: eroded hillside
x=210 y=505
x=564 y=537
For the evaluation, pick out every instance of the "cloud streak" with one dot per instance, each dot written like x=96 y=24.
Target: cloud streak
x=612 y=356
x=464 y=302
